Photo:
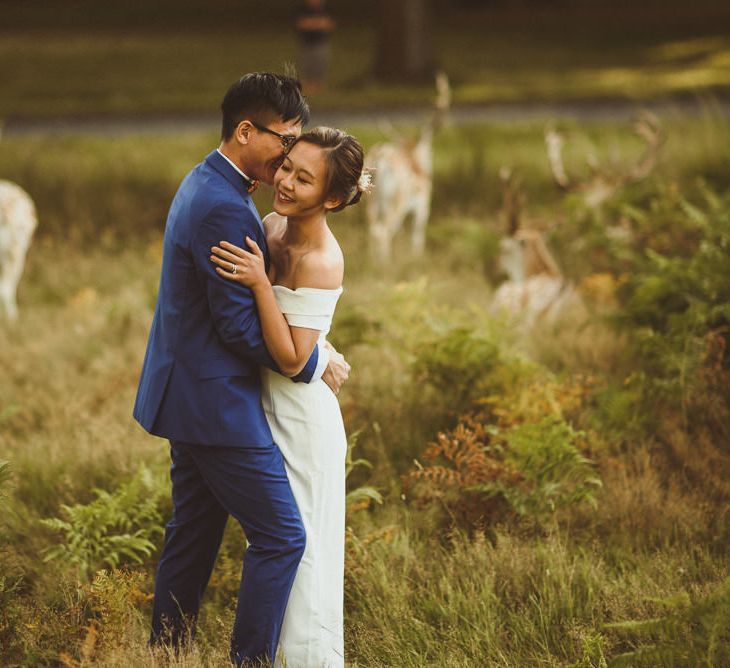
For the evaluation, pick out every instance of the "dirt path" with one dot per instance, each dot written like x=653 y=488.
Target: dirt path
x=601 y=110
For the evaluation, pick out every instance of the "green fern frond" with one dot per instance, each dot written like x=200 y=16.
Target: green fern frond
x=360 y=497
x=117 y=527
x=361 y=494
x=4 y=475
x=689 y=635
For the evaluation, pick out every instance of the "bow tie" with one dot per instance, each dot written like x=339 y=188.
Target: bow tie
x=251 y=184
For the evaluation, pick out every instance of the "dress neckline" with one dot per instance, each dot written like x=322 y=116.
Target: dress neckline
x=306 y=289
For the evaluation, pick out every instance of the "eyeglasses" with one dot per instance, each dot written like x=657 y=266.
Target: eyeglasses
x=286 y=140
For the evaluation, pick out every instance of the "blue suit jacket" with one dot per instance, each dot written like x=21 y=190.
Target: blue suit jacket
x=200 y=378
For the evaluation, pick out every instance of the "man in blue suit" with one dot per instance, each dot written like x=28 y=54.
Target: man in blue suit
x=200 y=388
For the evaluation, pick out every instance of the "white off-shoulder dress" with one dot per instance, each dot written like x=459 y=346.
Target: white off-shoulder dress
x=307 y=425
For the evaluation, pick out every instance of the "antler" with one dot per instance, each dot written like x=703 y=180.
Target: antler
x=648 y=127
x=512 y=199
x=603 y=184
x=554 y=143
x=442 y=103
x=443 y=92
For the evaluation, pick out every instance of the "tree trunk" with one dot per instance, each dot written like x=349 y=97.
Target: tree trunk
x=405 y=46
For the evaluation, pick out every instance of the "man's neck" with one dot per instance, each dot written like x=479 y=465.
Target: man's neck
x=233 y=159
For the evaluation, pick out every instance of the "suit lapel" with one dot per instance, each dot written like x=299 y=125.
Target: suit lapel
x=261 y=241
x=215 y=160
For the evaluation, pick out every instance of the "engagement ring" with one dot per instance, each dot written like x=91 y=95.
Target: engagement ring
x=233 y=271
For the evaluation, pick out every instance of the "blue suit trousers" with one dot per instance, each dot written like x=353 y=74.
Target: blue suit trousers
x=209 y=483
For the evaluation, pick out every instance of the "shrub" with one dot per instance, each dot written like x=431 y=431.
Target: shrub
x=555 y=472
x=678 y=306
x=460 y=355
x=113 y=529
x=420 y=362
x=481 y=474
x=462 y=364
x=463 y=469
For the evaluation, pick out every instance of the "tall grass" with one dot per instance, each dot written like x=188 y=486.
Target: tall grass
x=544 y=586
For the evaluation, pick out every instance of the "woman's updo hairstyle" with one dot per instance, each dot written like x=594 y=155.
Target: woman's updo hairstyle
x=344 y=158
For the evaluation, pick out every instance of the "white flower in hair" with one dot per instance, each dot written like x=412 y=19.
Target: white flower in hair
x=365 y=182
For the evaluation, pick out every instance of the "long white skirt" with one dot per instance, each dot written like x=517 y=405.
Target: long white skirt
x=307 y=425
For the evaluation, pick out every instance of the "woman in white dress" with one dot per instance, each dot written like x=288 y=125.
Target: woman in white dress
x=322 y=173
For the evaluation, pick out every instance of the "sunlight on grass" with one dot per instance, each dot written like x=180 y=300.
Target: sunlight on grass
x=632 y=510
x=689 y=49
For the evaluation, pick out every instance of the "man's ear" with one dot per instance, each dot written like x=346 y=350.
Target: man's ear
x=243 y=132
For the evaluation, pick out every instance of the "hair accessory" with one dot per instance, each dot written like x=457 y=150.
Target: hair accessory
x=365 y=182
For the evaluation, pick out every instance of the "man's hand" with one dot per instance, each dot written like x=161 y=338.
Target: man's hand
x=337 y=371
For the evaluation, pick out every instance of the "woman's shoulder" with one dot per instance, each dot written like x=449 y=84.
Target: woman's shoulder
x=322 y=268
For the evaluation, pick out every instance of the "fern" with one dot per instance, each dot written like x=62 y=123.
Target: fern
x=679 y=304
x=113 y=529
x=463 y=354
x=360 y=497
x=479 y=472
x=556 y=474
x=688 y=635
x=463 y=469
x=357 y=499
x=4 y=475
x=115 y=598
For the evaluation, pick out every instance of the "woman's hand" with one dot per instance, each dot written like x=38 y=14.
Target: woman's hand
x=236 y=264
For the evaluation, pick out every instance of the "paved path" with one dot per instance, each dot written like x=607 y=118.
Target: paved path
x=602 y=110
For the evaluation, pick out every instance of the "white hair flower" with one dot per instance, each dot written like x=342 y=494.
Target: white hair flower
x=365 y=182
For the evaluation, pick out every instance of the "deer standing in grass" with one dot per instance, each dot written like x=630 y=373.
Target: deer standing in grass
x=535 y=292
x=18 y=221
x=403 y=182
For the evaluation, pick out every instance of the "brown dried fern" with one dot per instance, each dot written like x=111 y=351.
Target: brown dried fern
x=456 y=462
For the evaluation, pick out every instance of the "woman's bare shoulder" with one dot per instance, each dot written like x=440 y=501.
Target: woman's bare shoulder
x=321 y=268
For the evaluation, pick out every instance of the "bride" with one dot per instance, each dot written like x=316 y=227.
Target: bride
x=296 y=297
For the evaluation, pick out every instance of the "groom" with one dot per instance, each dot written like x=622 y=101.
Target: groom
x=200 y=383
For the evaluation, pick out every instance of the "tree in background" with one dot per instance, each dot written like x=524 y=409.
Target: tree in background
x=405 y=45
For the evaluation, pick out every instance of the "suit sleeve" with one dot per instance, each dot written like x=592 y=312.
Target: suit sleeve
x=232 y=306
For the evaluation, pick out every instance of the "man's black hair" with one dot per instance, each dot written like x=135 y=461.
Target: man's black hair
x=263 y=97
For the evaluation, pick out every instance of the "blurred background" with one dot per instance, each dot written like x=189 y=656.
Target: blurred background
x=539 y=407
x=80 y=57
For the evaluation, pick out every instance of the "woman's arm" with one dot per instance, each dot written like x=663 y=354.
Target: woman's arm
x=290 y=347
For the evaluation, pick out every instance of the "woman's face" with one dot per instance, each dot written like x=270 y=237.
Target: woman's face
x=300 y=182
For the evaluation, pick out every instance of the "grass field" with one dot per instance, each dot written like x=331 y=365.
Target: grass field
x=543 y=565
x=112 y=59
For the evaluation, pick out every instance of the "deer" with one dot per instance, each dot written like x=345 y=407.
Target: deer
x=536 y=292
x=403 y=182
x=18 y=220
x=550 y=313
x=604 y=183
